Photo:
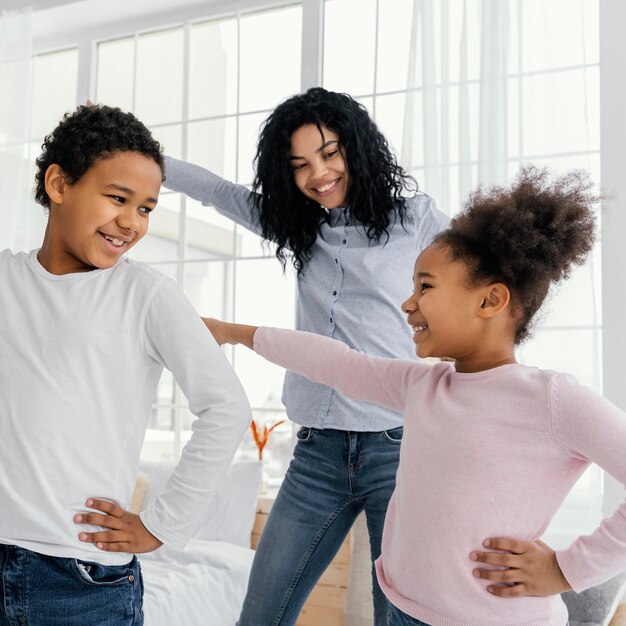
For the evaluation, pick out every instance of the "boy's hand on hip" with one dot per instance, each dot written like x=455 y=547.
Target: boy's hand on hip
x=126 y=532
x=531 y=568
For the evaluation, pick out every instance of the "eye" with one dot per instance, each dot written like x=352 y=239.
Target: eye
x=331 y=154
x=298 y=166
x=145 y=210
x=119 y=199
x=424 y=287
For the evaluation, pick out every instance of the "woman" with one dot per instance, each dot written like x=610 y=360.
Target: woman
x=327 y=191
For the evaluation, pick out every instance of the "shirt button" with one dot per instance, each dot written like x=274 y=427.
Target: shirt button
x=131 y=578
x=336 y=261
x=334 y=293
x=331 y=320
x=345 y=241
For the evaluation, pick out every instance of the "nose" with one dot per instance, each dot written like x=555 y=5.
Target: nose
x=318 y=168
x=410 y=305
x=128 y=219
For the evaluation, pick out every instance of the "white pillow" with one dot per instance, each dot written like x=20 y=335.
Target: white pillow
x=231 y=512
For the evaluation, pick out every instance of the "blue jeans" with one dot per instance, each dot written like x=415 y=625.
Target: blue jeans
x=333 y=476
x=40 y=590
x=395 y=617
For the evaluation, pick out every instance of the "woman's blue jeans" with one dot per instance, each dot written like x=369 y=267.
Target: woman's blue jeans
x=333 y=476
x=40 y=590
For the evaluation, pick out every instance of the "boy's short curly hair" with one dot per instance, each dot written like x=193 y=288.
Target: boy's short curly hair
x=90 y=133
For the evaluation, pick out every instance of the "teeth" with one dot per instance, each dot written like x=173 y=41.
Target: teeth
x=326 y=187
x=114 y=241
x=418 y=328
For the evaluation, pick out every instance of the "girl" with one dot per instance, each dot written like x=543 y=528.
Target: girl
x=490 y=447
x=328 y=191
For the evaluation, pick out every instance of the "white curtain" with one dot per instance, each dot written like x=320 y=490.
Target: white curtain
x=443 y=128
x=16 y=172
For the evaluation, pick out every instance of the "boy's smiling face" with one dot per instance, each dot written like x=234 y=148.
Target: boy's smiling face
x=102 y=215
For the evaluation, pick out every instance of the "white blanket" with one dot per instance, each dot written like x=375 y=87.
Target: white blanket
x=204 y=585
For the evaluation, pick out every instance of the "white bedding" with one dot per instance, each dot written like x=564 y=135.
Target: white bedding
x=204 y=585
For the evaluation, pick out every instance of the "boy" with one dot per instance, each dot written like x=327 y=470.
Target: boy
x=85 y=333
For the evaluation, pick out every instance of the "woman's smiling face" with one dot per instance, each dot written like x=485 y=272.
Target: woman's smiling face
x=319 y=169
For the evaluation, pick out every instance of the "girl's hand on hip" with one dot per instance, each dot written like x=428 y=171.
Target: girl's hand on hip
x=531 y=568
x=126 y=530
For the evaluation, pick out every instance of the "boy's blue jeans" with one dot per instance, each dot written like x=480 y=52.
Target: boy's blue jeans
x=40 y=590
x=333 y=476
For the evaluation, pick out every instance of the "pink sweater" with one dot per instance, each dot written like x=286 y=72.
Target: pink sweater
x=488 y=454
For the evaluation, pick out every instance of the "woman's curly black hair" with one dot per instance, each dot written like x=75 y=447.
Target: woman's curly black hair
x=376 y=181
x=87 y=134
x=526 y=236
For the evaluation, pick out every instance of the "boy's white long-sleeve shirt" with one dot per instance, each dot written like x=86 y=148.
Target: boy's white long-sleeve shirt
x=486 y=454
x=80 y=359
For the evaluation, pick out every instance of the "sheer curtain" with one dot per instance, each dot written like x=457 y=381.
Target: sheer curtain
x=16 y=172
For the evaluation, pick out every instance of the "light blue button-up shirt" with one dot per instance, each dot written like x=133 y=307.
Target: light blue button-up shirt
x=351 y=290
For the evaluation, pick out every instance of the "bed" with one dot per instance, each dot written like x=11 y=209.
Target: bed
x=204 y=584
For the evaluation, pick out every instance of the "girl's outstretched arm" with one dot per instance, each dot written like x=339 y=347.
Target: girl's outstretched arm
x=378 y=380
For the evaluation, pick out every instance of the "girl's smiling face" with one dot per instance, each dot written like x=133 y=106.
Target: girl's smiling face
x=319 y=169
x=442 y=311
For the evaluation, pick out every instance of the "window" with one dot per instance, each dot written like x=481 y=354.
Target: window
x=204 y=88
x=418 y=66
x=205 y=83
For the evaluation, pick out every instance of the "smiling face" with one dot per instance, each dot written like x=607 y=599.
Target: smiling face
x=102 y=215
x=319 y=169
x=453 y=318
x=443 y=309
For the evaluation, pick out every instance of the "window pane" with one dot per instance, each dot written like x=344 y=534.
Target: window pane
x=54 y=89
x=213 y=145
x=577 y=300
x=209 y=287
x=390 y=118
x=577 y=41
x=263 y=296
x=115 y=77
x=160 y=77
x=394 y=43
x=555 y=120
x=270 y=57
x=213 y=68
x=249 y=126
x=349 y=39
x=170 y=138
x=209 y=234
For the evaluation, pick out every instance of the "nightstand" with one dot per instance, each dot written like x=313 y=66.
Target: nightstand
x=325 y=604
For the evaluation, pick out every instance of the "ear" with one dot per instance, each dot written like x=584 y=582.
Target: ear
x=495 y=298
x=55 y=183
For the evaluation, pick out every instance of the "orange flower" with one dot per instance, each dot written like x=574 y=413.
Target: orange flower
x=261 y=436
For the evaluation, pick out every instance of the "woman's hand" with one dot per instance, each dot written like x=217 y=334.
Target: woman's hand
x=126 y=532
x=225 y=332
x=531 y=568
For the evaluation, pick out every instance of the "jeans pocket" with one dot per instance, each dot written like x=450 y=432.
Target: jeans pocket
x=104 y=575
x=304 y=435
x=393 y=435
